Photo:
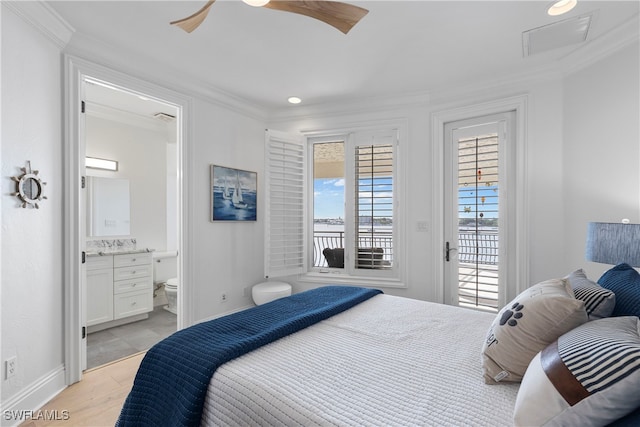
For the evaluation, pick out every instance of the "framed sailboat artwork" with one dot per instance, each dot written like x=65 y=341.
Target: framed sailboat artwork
x=233 y=194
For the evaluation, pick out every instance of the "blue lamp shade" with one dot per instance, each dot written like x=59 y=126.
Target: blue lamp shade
x=613 y=243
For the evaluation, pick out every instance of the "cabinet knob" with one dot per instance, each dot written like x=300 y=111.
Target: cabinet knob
x=134 y=285
x=133 y=260
x=133 y=272
x=133 y=303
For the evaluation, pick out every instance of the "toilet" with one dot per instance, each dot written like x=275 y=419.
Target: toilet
x=165 y=272
x=265 y=292
x=171 y=290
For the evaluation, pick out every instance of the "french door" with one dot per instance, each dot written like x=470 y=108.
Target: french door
x=476 y=211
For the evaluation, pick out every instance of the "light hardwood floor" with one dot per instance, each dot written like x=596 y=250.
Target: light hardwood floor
x=96 y=400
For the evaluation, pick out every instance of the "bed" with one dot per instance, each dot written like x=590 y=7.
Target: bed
x=387 y=361
x=379 y=360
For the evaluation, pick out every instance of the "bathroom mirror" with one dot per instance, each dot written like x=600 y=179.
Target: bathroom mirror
x=108 y=205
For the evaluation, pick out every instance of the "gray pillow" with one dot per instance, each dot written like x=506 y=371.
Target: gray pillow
x=529 y=323
x=598 y=301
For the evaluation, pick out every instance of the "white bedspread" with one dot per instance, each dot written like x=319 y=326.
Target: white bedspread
x=389 y=361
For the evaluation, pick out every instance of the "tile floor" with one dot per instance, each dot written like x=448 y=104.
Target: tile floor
x=115 y=343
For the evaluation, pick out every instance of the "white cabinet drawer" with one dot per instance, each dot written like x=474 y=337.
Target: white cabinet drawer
x=118 y=286
x=132 y=303
x=133 y=272
x=129 y=285
x=99 y=262
x=126 y=260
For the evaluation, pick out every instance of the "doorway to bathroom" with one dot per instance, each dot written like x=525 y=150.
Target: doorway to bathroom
x=76 y=253
x=132 y=221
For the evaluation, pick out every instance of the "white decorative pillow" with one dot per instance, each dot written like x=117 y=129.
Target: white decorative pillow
x=598 y=301
x=590 y=376
x=529 y=323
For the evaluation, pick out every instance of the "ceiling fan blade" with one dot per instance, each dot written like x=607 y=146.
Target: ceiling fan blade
x=192 y=22
x=342 y=16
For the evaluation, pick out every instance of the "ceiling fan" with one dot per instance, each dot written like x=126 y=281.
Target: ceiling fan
x=342 y=16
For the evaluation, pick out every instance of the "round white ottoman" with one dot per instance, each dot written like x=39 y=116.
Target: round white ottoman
x=265 y=292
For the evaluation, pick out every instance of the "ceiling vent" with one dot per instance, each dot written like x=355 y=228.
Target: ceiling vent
x=165 y=117
x=553 y=36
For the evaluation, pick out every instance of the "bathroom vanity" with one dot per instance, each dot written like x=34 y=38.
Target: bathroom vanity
x=119 y=288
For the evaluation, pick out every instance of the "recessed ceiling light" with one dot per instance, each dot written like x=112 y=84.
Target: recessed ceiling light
x=561 y=6
x=294 y=100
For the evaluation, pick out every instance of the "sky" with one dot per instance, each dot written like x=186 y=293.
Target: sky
x=328 y=197
x=487 y=199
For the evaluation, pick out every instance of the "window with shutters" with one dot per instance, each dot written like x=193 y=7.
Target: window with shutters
x=349 y=188
x=354 y=213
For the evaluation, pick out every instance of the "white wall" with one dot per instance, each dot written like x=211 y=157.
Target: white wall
x=32 y=239
x=172 y=197
x=228 y=255
x=601 y=149
x=142 y=158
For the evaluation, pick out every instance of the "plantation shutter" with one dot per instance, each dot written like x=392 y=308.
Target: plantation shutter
x=374 y=199
x=478 y=213
x=285 y=201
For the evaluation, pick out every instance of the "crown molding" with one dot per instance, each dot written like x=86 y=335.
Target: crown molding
x=587 y=54
x=352 y=106
x=598 y=49
x=48 y=22
x=101 y=53
x=44 y=19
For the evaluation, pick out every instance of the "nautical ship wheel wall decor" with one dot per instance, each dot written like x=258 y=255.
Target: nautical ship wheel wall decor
x=29 y=187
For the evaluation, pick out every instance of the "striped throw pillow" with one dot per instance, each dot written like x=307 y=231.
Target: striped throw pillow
x=598 y=301
x=590 y=376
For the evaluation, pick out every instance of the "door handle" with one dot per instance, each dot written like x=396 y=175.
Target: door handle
x=448 y=249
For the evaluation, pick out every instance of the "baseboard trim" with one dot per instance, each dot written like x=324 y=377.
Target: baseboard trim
x=28 y=401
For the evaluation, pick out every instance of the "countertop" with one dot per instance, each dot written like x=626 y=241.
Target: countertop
x=119 y=251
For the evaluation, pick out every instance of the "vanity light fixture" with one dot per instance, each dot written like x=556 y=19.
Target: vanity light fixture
x=95 y=163
x=560 y=7
x=294 y=100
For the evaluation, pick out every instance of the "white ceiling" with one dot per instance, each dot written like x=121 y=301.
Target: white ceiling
x=263 y=56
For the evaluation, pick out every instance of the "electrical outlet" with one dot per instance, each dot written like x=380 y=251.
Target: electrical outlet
x=223 y=297
x=10 y=367
x=245 y=292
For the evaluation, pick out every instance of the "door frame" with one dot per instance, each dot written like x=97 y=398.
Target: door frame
x=75 y=70
x=439 y=119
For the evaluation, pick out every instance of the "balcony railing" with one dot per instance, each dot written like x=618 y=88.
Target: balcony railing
x=477 y=257
x=478 y=269
x=473 y=248
x=335 y=239
x=478 y=247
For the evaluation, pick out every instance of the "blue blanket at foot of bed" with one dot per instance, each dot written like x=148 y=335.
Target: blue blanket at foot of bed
x=171 y=383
